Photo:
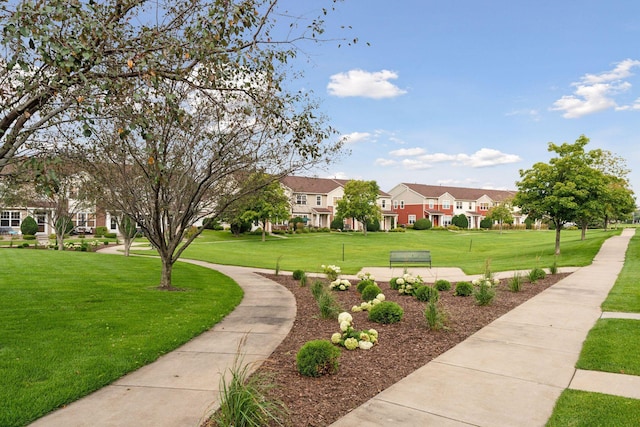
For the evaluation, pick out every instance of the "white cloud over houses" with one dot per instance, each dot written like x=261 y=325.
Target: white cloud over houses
x=596 y=92
x=361 y=83
x=416 y=158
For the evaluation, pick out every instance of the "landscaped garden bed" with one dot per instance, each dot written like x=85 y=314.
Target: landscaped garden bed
x=401 y=348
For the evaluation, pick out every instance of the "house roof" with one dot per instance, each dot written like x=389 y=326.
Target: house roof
x=301 y=184
x=459 y=193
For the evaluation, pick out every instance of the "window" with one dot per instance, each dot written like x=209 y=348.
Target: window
x=301 y=199
x=446 y=220
x=458 y=205
x=318 y=200
x=384 y=203
x=412 y=219
x=113 y=224
x=470 y=206
x=446 y=204
x=431 y=204
x=395 y=204
x=9 y=219
x=484 y=206
x=401 y=204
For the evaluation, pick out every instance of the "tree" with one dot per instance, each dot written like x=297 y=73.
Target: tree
x=128 y=230
x=617 y=201
x=359 y=202
x=67 y=62
x=268 y=204
x=460 y=221
x=501 y=213
x=29 y=226
x=557 y=189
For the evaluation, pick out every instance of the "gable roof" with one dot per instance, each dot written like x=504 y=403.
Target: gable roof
x=301 y=184
x=459 y=193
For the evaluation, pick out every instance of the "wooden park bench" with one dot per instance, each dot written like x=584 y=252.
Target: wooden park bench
x=410 y=257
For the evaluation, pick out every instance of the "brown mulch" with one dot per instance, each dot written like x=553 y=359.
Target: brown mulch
x=402 y=348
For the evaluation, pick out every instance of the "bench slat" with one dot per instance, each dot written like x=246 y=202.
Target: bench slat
x=422 y=257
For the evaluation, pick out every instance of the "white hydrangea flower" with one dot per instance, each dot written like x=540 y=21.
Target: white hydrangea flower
x=335 y=338
x=356 y=309
x=351 y=343
x=345 y=316
x=365 y=345
x=380 y=297
x=399 y=281
x=344 y=326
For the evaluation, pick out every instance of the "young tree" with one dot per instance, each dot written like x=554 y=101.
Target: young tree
x=267 y=204
x=556 y=190
x=359 y=202
x=501 y=213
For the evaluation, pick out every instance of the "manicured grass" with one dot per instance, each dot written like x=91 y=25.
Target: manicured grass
x=613 y=345
x=577 y=408
x=73 y=322
x=625 y=295
x=465 y=249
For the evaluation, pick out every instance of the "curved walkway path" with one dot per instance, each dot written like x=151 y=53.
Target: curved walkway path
x=181 y=387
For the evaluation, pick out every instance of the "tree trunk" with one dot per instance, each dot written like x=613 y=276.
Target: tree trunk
x=583 y=236
x=558 y=227
x=127 y=244
x=60 y=242
x=167 y=267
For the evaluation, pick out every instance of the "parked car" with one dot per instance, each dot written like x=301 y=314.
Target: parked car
x=81 y=229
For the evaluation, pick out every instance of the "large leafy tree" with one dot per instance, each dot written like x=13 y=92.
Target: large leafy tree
x=268 y=204
x=556 y=190
x=501 y=213
x=67 y=61
x=359 y=202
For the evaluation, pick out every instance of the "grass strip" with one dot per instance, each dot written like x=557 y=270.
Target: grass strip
x=577 y=408
x=612 y=345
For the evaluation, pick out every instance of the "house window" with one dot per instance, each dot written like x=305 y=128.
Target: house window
x=412 y=219
x=384 y=203
x=113 y=224
x=470 y=206
x=401 y=204
x=484 y=206
x=301 y=199
x=431 y=204
x=318 y=200
x=9 y=219
x=81 y=219
x=395 y=204
x=459 y=205
x=446 y=220
x=446 y=204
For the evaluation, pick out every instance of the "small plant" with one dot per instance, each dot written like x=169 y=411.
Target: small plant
x=244 y=402
x=536 y=274
x=515 y=283
x=406 y=284
x=351 y=339
x=363 y=284
x=368 y=305
x=340 y=285
x=554 y=268
x=29 y=226
x=427 y=293
x=435 y=316
x=298 y=274
x=328 y=305
x=303 y=280
x=317 y=358
x=278 y=265
x=317 y=289
x=442 y=285
x=332 y=271
x=463 y=289
x=386 y=312
x=370 y=292
x=484 y=292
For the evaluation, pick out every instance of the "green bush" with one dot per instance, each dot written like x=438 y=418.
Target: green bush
x=28 y=237
x=101 y=231
x=110 y=235
x=397 y=230
x=463 y=289
x=442 y=285
x=422 y=224
x=460 y=221
x=484 y=293
x=317 y=358
x=29 y=226
x=374 y=225
x=386 y=312
x=427 y=293
x=486 y=223
x=337 y=224
x=363 y=284
x=298 y=274
x=370 y=292
x=536 y=274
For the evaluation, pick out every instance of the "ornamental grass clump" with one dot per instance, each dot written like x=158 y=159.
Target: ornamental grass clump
x=484 y=291
x=427 y=293
x=463 y=289
x=328 y=305
x=515 y=282
x=435 y=316
x=317 y=358
x=317 y=289
x=351 y=339
x=406 y=284
x=386 y=312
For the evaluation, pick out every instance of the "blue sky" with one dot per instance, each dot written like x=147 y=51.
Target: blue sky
x=468 y=92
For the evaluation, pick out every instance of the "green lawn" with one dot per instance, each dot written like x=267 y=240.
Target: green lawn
x=625 y=295
x=73 y=322
x=577 y=408
x=351 y=251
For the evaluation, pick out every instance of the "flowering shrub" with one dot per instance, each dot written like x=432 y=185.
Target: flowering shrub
x=351 y=339
x=340 y=285
x=406 y=284
x=368 y=305
x=366 y=279
x=386 y=312
x=332 y=271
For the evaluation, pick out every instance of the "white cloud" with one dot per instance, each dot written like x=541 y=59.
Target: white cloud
x=404 y=152
x=595 y=92
x=385 y=162
x=414 y=164
x=339 y=175
x=365 y=84
x=486 y=157
x=355 y=137
x=531 y=113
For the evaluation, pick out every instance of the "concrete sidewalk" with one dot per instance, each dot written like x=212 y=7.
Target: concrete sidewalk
x=511 y=372
x=181 y=387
